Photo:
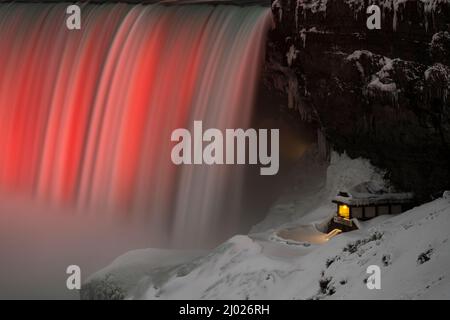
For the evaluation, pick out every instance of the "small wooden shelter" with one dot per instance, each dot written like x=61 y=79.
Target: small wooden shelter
x=366 y=201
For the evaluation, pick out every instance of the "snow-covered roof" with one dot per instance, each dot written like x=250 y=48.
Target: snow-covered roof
x=371 y=193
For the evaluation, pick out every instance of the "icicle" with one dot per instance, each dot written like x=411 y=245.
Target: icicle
x=291 y=55
x=394 y=20
x=303 y=37
x=292 y=92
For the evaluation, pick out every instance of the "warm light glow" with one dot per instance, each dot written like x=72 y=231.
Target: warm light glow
x=344 y=211
x=333 y=233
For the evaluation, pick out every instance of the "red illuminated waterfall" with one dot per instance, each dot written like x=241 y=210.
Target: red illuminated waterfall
x=86 y=116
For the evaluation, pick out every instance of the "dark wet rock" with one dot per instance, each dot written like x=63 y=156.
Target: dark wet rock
x=379 y=94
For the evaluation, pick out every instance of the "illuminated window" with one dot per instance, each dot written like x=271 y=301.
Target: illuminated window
x=344 y=211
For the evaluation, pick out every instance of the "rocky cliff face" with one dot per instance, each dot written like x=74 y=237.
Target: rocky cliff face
x=380 y=94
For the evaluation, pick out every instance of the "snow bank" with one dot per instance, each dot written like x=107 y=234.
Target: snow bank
x=412 y=250
x=126 y=272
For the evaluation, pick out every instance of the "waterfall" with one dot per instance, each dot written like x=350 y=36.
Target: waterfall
x=86 y=115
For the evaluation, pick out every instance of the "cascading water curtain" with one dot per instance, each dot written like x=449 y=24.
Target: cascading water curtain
x=86 y=115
